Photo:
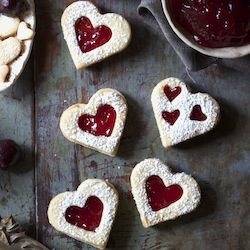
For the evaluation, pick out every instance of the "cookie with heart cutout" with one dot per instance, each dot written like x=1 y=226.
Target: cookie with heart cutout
x=99 y=124
x=10 y=49
x=181 y=115
x=160 y=195
x=91 y=37
x=16 y=38
x=87 y=214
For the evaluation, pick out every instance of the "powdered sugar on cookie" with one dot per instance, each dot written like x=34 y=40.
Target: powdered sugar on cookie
x=174 y=113
x=121 y=33
x=154 y=167
x=104 y=144
x=92 y=187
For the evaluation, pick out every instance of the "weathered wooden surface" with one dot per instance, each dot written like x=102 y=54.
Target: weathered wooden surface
x=219 y=161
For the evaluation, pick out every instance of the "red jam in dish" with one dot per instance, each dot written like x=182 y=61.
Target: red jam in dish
x=160 y=196
x=197 y=114
x=171 y=117
x=88 y=217
x=101 y=124
x=214 y=23
x=90 y=38
x=172 y=93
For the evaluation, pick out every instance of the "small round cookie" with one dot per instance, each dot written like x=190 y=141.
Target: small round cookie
x=181 y=115
x=99 y=124
x=92 y=37
x=87 y=214
x=160 y=195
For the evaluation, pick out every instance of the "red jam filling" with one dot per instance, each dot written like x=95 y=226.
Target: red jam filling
x=88 y=217
x=171 y=117
x=101 y=124
x=160 y=196
x=214 y=23
x=197 y=114
x=90 y=38
x=172 y=93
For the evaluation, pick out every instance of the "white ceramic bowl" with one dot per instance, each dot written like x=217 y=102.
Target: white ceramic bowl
x=227 y=52
x=18 y=65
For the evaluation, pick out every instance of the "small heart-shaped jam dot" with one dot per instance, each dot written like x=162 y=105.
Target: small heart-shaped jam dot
x=87 y=217
x=160 y=196
x=197 y=114
x=90 y=38
x=101 y=124
x=171 y=117
x=172 y=93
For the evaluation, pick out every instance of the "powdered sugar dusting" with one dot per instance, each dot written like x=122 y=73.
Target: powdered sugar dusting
x=18 y=65
x=188 y=202
x=184 y=128
x=121 y=32
x=71 y=130
x=92 y=187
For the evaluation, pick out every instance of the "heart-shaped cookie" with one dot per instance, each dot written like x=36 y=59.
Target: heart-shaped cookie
x=99 y=124
x=161 y=195
x=92 y=37
x=87 y=214
x=10 y=49
x=8 y=26
x=181 y=115
x=24 y=32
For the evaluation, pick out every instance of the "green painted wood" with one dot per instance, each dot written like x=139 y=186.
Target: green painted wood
x=17 y=196
x=62 y=165
x=219 y=160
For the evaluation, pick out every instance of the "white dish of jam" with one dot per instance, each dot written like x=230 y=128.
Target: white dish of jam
x=214 y=28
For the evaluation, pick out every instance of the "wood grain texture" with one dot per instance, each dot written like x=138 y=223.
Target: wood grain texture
x=219 y=160
x=17 y=186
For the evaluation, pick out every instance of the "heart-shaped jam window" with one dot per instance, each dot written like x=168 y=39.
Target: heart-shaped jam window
x=160 y=196
x=197 y=114
x=101 y=124
x=90 y=38
x=172 y=93
x=87 y=217
x=171 y=117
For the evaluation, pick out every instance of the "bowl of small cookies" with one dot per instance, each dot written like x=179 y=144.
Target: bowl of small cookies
x=17 y=29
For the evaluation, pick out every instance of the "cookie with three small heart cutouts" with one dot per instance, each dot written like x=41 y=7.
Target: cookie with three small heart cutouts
x=99 y=124
x=160 y=195
x=181 y=115
x=91 y=37
x=87 y=214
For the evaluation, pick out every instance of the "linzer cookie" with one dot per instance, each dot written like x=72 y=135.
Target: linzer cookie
x=92 y=37
x=181 y=115
x=99 y=124
x=17 y=24
x=87 y=214
x=161 y=195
